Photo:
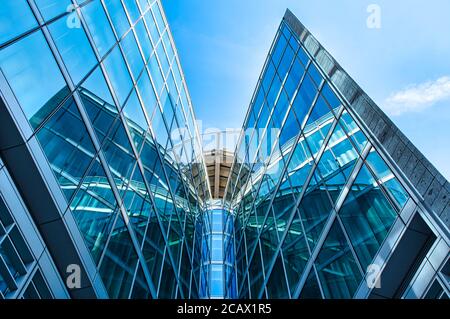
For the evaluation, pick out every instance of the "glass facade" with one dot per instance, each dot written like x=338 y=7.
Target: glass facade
x=110 y=93
x=314 y=201
x=311 y=201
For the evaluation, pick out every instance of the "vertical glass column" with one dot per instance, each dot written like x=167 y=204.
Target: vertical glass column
x=217 y=265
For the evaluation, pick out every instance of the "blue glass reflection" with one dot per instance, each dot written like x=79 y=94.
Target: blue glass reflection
x=18 y=63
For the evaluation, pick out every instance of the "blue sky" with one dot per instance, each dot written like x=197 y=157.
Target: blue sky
x=404 y=65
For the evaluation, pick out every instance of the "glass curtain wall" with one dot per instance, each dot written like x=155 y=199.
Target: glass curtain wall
x=104 y=93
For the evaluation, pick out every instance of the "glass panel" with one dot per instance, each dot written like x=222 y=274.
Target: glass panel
x=119 y=263
x=168 y=46
x=132 y=54
x=276 y=285
x=337 y=269
x=153 y=248
x=285 y=63
x=304 y=99
x=311 y=289
x=331 y=98
x=51 y=8
x=18 y=63
x=93 y=208
x=147 y=94
x=268 y=75
x=314 y=73
x=268 y=239
x=163 y=59
x=168 y=277
x=367 y=216
x=118 y=16
x=295 y=253
x=291 y=129
x=320 y=111
x=66 y=143
x=96 y=88
x=140 y=287
x=101 y=114
x=143 y=5
x=135 y=118
x=255 y=272
x=99 y=26
x=132 y=10
x=15 y=18
x=386 y=178
x=118 y=74
x=279 y=49
x=337 y=162
x=143 y=39
x=119 y=155
x=158 y=16
x=137 y=203
x=155 y=73
x=293 y=80
x=151 y=25
x=74 y=48
x=315 y=209
x=301 y=54
x=353 y=130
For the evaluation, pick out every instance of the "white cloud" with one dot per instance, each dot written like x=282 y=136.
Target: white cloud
x=418 y=97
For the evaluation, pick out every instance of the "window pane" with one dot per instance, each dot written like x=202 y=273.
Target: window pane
x=353 y=130
x=330 y=96
x=118 y=16
x=294 y=77
x=96 y=85
x=295 y=252
x=144 y=39
x=118 y=74
x=162 y=59
x=276 y=285
x=367 y=216
x=387 y=179
x=311 y=288
x=18 y=63
x=67 y=145
x=99 y=26
x=337 y=162
x=74 y=48
x=15 y=18
x=304 y=99
x=151 y=25
x=317 y=78
x=337 y=269
x=93 y=208
x=147 y=94
x=315 y=208
x=132 y=10
x=51 y=8
x=279 y=49
x=119 y=264
x=132 y=54
x=155 y=73
x=133 y=111
x=285 y=63
x=158 y=16
x=119 y=155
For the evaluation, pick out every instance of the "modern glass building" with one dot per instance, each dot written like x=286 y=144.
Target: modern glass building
x=106 y=190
